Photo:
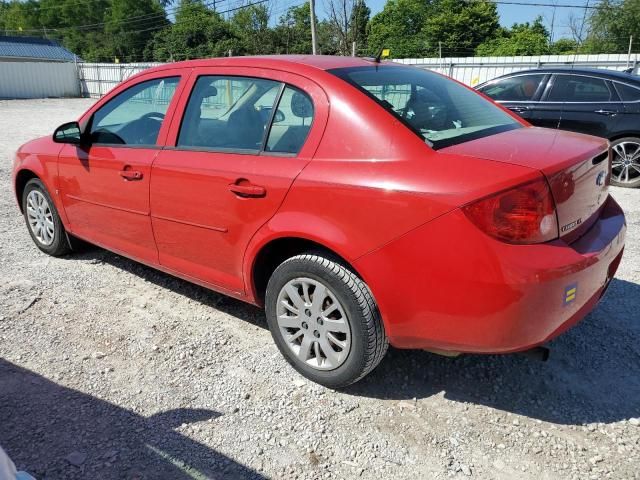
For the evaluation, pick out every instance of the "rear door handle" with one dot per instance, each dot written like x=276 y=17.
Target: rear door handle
x=518 y=109
x=131 y=174
x=606 y=112
x=243 y=188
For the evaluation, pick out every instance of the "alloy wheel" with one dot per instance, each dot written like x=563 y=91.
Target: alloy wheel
x=625 y=166
x=40 y=217
x=313 y=323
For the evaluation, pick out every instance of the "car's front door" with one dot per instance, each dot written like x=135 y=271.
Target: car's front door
x=587 y=104
x=104 y=183
x=230 y=159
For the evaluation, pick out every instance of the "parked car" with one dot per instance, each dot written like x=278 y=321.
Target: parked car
x=599 y=102
x=360 y=203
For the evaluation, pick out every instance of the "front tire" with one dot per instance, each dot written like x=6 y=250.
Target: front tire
x=324 y=320
x=625 y=164
x=43 y=222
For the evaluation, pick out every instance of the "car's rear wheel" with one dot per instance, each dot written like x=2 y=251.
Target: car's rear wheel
x=625 y=164
x=324 y=320
x=43 y=222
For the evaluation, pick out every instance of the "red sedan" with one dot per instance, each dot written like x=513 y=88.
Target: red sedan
x=361 y=203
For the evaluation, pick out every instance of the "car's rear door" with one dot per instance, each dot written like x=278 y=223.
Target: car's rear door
x=230 y=159
x=104 y=183
x=518 y=93
x=587 y=104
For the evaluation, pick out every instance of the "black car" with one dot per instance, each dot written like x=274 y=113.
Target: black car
x=599 y=102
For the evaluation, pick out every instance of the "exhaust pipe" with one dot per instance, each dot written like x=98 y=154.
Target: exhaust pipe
x=537 y=353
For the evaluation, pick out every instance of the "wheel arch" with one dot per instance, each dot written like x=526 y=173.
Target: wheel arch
x=274 y=251
x=21 y=179
x=618 y=136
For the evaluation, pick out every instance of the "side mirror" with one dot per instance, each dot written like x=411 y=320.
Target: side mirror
x=278 y=117
x=68 y=133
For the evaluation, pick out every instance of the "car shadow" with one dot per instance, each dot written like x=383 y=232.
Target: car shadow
x=593 y=374
x=56 y=432
x=231 y=306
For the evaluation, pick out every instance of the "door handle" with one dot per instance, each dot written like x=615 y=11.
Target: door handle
x=131 y=174
x=605 y=112
x=243 y=188
x=518 y=109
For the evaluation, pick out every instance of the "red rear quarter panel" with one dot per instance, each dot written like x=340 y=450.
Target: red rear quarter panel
x=373 y=180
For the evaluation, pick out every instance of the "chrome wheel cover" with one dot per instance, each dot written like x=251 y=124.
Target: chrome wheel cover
x=625 y=165
x=313 y=323
x=40 y=218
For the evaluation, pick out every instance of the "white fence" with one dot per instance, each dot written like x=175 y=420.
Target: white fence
x=38 y=80
x=96 y=79
x=32 y=80
x=475 y=70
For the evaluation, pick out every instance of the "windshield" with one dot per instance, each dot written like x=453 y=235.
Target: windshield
x=440 y=110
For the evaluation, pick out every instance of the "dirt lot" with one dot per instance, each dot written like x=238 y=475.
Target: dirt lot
x=111 y=370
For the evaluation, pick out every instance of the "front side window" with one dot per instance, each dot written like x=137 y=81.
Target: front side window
x=575 y=88
x=228 y=113
x=134 y=117
x=520 y=88
x=438 y=109
x=291 y=122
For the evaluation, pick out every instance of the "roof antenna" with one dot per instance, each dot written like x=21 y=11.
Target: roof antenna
x=383 y=53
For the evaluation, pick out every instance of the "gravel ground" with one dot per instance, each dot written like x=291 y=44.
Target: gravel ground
x=111 y=370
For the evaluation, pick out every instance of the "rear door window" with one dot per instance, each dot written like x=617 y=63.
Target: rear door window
x=291 y=122
x=575 y=88
x=520 y=88
x=228 y=113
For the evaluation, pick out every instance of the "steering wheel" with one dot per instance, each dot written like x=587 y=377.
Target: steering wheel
x=151 y=136
x=158 y=115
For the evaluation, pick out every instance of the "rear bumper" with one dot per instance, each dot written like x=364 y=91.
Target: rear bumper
x=448 y=286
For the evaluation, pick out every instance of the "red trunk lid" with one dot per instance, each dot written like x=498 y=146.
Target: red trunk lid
x=577 y=167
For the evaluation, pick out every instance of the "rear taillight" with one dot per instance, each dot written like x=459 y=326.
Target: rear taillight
x=524 y=214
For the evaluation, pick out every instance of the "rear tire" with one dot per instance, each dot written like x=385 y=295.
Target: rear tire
x=324 y=320
x=625 y=164
x=43 y=222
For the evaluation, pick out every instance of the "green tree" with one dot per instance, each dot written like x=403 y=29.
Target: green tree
x=399 y=27
x=129 y=37
x=251 y=28
x=198 y=32
x=459 y=26
x=610 y=26
x=415 y=28
x=564 y=46
x=359 y=21
x=521 y=39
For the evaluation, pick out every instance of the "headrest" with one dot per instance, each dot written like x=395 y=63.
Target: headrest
x=209 y=91
x=301 y=106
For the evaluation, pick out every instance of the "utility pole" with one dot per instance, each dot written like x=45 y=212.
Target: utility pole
x=629 y=52
x=314 y=35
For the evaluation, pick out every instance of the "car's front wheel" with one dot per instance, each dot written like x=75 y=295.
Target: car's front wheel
x=44 y=224
x=625 y=164
x=324 y=320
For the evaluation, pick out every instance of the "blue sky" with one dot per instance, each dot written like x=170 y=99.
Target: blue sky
x=510 y=14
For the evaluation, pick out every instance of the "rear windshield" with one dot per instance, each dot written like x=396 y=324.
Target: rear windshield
x=439 y=110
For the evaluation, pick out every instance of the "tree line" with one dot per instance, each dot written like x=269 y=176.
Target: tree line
x=168 y=30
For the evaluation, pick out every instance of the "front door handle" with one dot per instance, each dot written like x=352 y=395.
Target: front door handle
x=245 y=189
x=518 y=109
x=605 y=112
x=131 y=174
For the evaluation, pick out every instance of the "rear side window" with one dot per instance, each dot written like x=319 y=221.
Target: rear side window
x=291 y=122
x=134 y=117
x=521 y=88
x=627 y=92
x=228 y=113
x=574 y=88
